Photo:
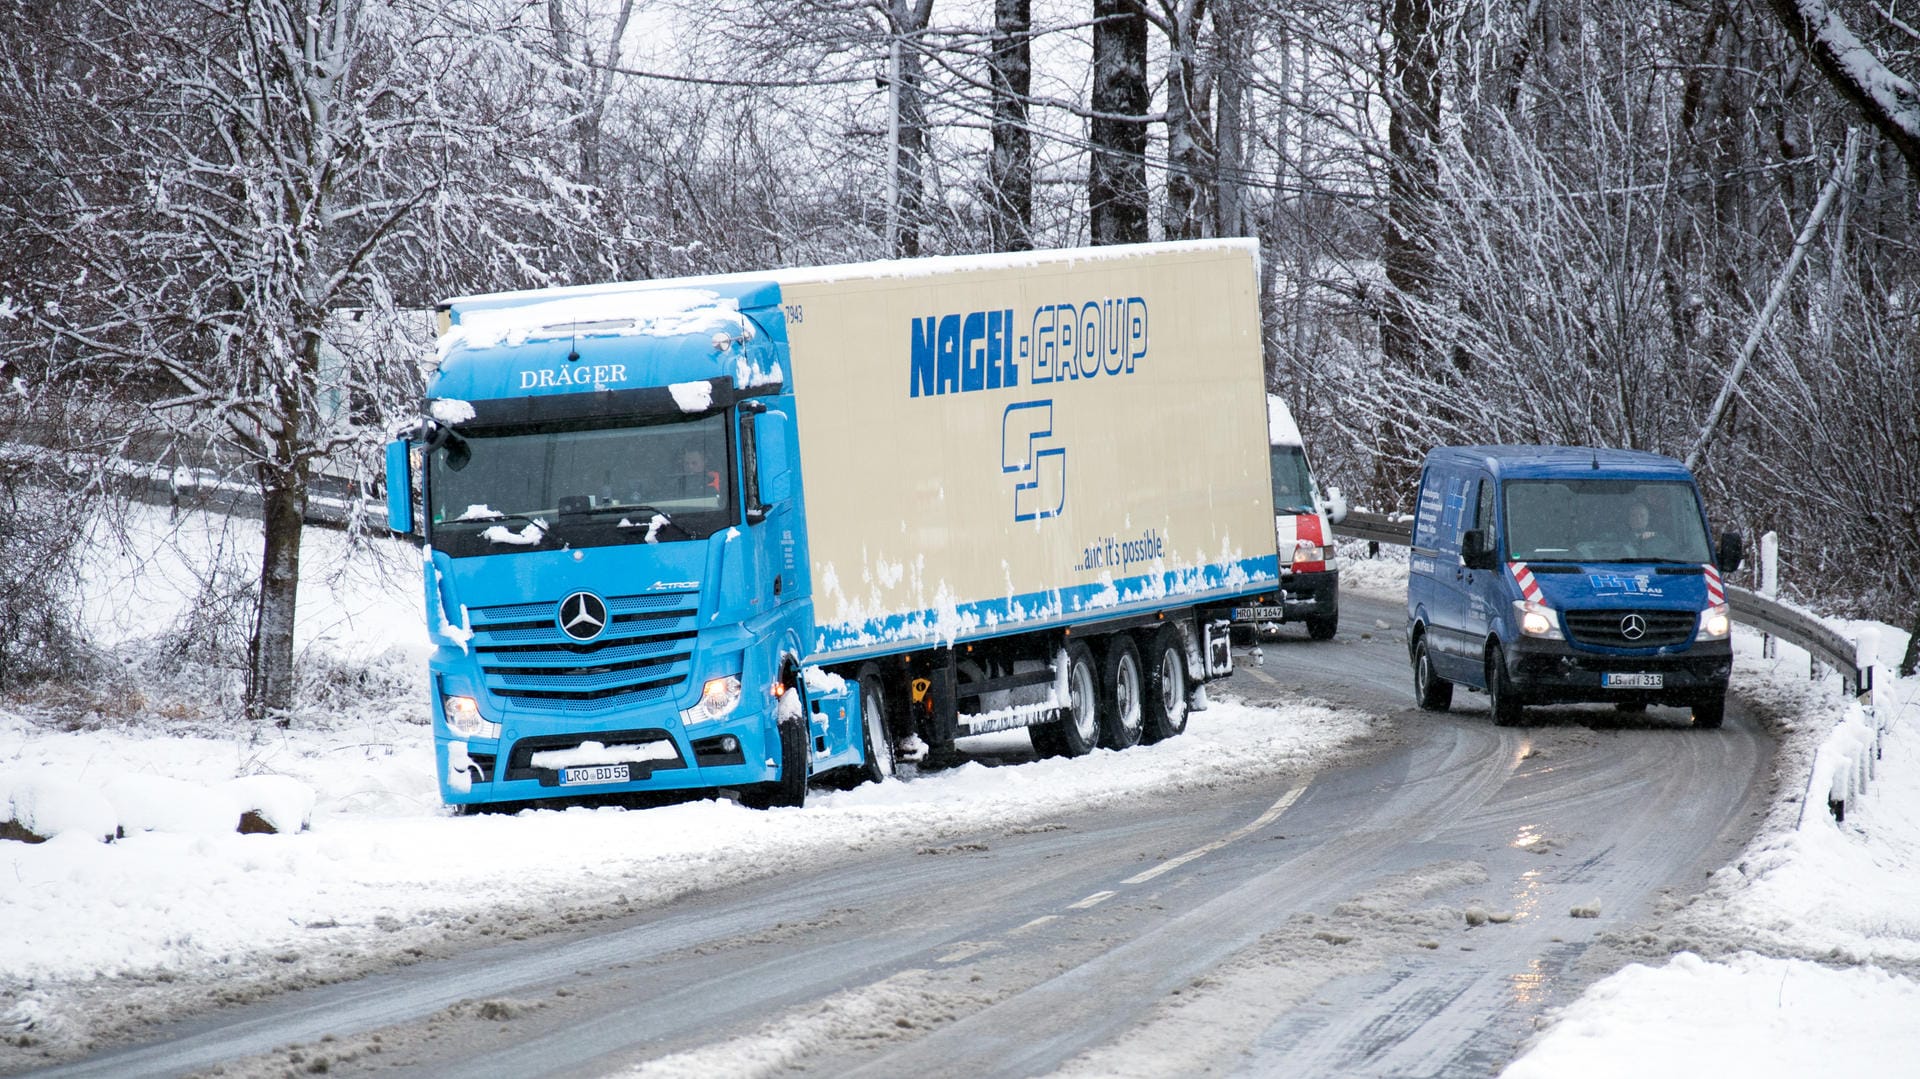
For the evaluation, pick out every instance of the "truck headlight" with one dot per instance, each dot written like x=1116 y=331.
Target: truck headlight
x=464 y=718
x=718 y=698
x=1715 y=622
x=1537 y=619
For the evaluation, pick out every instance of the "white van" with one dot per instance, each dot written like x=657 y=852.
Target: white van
x=1303 y=521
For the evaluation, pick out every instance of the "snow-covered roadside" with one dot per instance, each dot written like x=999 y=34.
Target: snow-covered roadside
x=1798 y=959
x=95 y=931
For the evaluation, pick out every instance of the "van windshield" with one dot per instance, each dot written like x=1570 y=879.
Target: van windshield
x=491 y=492
x=1292 y=485
x=1604 y=521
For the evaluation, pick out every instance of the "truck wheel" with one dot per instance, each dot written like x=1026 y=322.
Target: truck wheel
x=791 y=788
x=1500 y=696
x=1321 y=627
x=1166 y=696
x=874 y=717
x=1710 y=712
x=1078 y=732
x=1121 y=718
x=1430 y=691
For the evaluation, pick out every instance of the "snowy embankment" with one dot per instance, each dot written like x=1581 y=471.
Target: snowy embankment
x=1795 y=960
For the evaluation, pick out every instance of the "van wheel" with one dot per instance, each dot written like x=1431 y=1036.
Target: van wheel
x=1710 y=712
x=791 y=788
x=1430 y=691
x=1166 y=696
x=878 y=733
x=1076 y=733
x=1321 y=627
x=1121 y=717
x=1500 y=696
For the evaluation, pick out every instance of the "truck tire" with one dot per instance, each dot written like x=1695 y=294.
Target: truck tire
x=1709 y=712
x=1501 y=699
x=1166 y=696
x=1430 y=691
x=1321 y=627
x=876 y=716
x=1122 y=688
x=791 y=788
x=1076 y=733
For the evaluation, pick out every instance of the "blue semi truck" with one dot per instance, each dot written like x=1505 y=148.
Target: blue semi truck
x=740 y=533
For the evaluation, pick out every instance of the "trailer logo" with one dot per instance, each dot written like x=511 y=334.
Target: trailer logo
x=1039 y=469
x=582 y=616
x=1065 y=342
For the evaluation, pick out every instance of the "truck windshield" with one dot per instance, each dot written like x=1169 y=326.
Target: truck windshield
x=1604 y=521
x=1292 y=486
x=492 y=492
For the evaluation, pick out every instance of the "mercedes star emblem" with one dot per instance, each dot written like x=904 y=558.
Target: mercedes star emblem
x=582 y=616
x=1633 y=627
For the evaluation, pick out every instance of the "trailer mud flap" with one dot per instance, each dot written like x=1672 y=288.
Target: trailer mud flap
x=1217 y=645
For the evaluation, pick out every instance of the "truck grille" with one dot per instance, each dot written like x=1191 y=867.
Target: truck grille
x=641 y=657
x=1610 y=628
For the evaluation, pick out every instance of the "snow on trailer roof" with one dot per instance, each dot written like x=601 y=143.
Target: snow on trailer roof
x=668 y=306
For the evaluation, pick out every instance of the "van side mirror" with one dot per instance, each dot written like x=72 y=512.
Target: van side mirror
x=399 y=488
x=1476 y=549
x=1336 y=506
x=1728 y=555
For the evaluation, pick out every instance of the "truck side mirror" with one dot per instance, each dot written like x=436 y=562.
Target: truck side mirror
x=772 y=437
x=1336 y=506
x=399 y=488
x=1731 y=548
x=1476 y=551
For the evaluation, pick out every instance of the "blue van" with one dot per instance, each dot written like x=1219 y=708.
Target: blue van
x=1543 y=575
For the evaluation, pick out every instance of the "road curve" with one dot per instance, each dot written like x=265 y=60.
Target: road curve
x=1411 y=912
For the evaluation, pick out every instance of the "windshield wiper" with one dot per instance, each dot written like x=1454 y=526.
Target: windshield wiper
x=647 y=515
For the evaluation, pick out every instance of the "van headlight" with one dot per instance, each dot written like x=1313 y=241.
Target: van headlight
x=1715 y=622
x=1537 y=619
x=718 y=698
x=464 y=718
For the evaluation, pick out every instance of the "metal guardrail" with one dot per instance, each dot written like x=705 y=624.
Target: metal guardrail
x=1769 y=616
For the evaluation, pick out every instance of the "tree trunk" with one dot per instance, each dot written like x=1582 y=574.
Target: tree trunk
x=1232 y=65
x=283 y=493
x=1117 y=171
x=1010 y=169
x=1413 y=118
x=909 y=21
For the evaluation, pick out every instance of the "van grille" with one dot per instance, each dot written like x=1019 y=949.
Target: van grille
x=644 y=653
x=1609 y=628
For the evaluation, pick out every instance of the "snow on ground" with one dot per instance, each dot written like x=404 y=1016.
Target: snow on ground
x=1796 y=960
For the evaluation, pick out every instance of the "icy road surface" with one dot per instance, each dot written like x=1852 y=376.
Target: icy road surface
x=1407 y=902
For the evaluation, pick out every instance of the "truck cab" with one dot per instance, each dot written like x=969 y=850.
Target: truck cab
x=1543 y=575
x=1303 y=520
x=612 y=585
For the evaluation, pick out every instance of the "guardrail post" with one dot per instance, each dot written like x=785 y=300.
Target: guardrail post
x=1769 y=581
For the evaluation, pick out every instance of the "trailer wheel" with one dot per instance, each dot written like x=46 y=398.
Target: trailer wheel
x=791 y=788
x=1078 y=732
x=1166 y=696
x=1121 y=718
x=874 y=718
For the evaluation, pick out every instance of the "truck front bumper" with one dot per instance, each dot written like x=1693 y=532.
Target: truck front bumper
x=735 y=752
x=1546 y=672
